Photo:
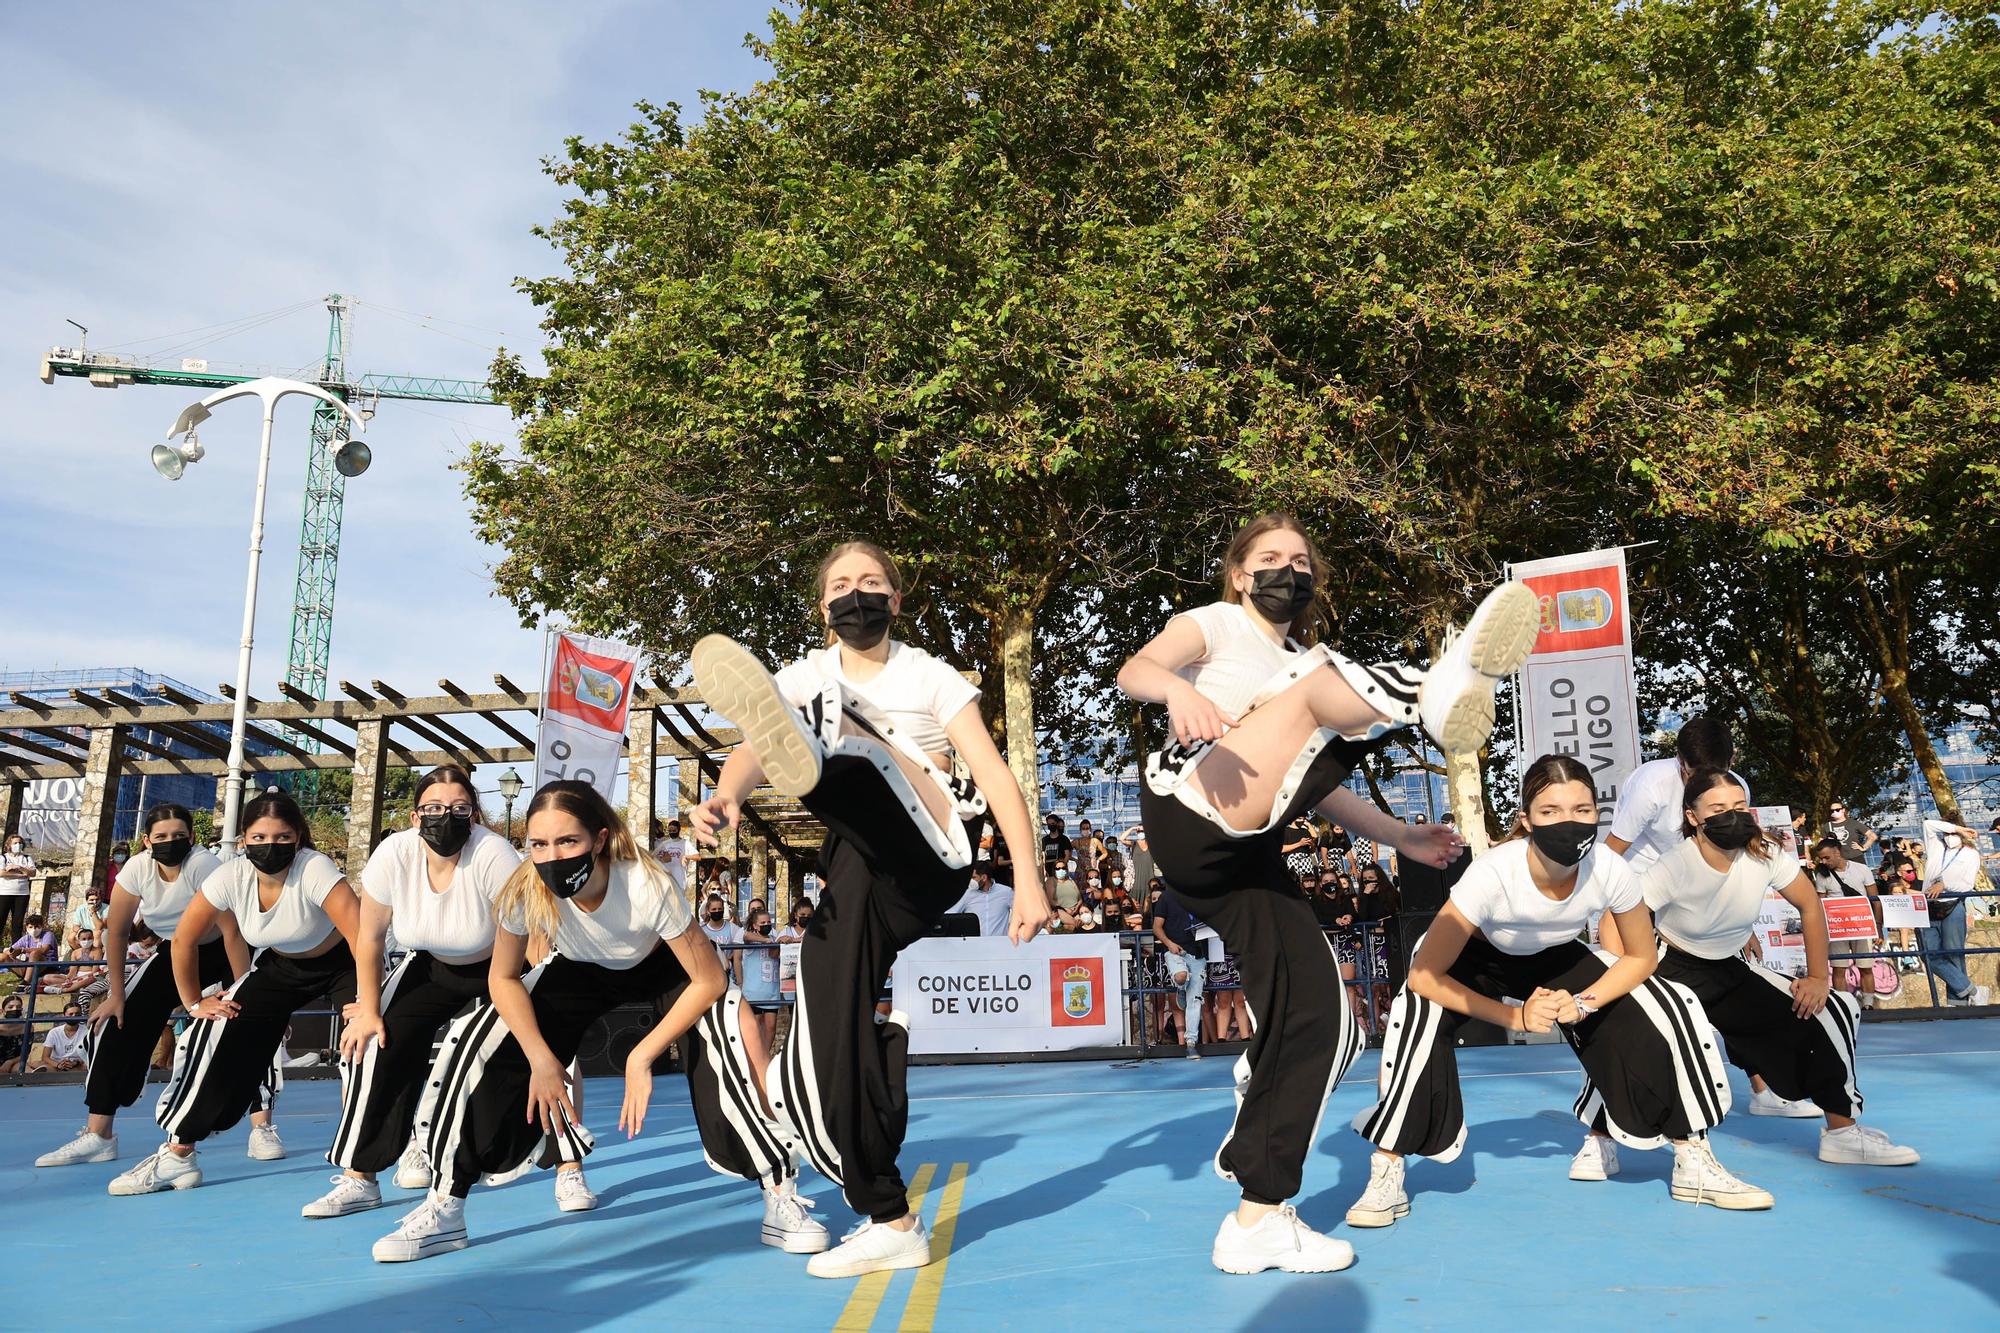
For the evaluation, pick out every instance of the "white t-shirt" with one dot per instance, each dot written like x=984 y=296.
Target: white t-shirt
x=66 y=1046
x=297 y=923
x=1648 y=814
x=726 y=933
x=994 y=907
x=161 y=903
x=673 y=853
x=1497 y=893
x=456 y=925
x=16 y=887
x=1850 y=881
x=916 y=692
x=1240 y=659
x=1708 y=912
x=641 y=907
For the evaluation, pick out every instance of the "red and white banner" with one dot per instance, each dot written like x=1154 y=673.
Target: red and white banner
x=586 y=696
x=1575 y=693
x=1849 y=919
x=1054 y=993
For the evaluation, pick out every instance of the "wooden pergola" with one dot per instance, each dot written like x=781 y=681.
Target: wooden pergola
x=92 y=737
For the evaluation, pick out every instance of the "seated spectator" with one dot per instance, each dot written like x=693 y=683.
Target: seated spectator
x=988 y=899
x=1326 y=903
x=91 y=914
x=1082 y=919
x=1063 y=891
x=86 y=965
x=36 y=945
x=13 y=1035
x=63 y=1048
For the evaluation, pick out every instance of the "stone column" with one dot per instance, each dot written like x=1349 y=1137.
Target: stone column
x=13 y=794
x=364 y=810
x=642 y=756
x=760 y=867
x=690 y=781
x=784 y=892
x=97 y=809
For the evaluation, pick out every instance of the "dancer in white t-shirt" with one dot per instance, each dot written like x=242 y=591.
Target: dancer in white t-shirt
x=864 y=731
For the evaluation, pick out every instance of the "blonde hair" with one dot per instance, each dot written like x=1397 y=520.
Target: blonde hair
x=524 y=892
x=873 y=552
x=1305 y=627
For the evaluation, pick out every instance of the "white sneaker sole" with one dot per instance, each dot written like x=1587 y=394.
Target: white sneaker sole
x=358 y=1207
x=1795 y=1111
x=795 y=1242
x=1291 y=1265
x=1377 y=1217
x=1905 y=1157
x=413 y=1180
x=1468 y=722
x=1504 y=629
x=1592 y=1173
x=51 y=1159
x=267 y=1156
x=424 y=1249
x=577 y=1205
x=914 y=1259
x=735 y=685
x=186 y=1182
x=1734 y=1203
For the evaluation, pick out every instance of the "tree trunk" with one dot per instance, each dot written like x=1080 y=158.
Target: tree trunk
x=1017 y=663
x=1887 y=628
x=1468 y=799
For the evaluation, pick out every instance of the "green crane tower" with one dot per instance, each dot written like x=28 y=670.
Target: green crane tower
x=325 y=498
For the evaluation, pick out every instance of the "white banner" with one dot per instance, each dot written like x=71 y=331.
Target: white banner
x=1575 y=694
x=1054 y=993
x=1904 y=911
x=586 y=695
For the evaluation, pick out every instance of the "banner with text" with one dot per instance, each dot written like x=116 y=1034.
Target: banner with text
x=1054 y=993
x=586 y=695
x=1575 y=693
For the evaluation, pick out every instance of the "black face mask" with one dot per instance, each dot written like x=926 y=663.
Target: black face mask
x=1731 y=829
x=445 y=833
x=715 y=915
x=565 y=876
x=860 y=618
x=271 y=858
x=1280 y=595
x=172 y=852
x=1565 y=843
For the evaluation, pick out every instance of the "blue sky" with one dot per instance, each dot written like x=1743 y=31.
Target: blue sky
x=170 y=167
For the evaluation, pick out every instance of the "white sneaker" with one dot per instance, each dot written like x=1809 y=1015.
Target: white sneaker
x=873 y=1247
x=735 y=685
x=85 y=1147
x=1384 y=1201
x=413 y=1169
x=350 y=1194
x=164 y=1170
x=1859 y=1145
x=1977 y=996
x=433 y=1227
x=573 y=1192
x=1597 y=1159
x=787 y=1224
x=1767 y=1102
x=1279 y=1240
x=1455 y=700
x=1699 y=1179
x=265 y=1145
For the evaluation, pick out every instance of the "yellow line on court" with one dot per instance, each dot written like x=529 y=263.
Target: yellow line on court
x=921 y=1311
x=859 y=1314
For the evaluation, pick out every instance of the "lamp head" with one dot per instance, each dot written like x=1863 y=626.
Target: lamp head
x=352 y=458
x=171 y=460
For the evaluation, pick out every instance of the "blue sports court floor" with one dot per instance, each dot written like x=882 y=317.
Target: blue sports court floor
x=1073 y=1196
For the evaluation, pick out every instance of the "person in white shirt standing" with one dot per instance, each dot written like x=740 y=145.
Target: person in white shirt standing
x=988 y=899
x=870 y=734
x=1512 y=928
x=1646 y=822
x=1798 y=1036
x=17 y=870
x=434 y=883
x=673 y=851
x=1951 y=870
x=1267 y=724
x=1837 y=877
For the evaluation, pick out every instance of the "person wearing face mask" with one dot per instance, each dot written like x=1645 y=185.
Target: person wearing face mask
x=1512 y=928
x=885 y=744
x=434 y=883
x=988 y=899
x=1646 y=822
x=293 y=905
x=13 y=1035
x=1950 y=870
x=1266 y=727
x=620 y=933
x=155 y=887
x=17 y=870
x=1796 y=1035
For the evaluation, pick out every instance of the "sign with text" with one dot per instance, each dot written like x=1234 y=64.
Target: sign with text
x=1781 y=937
x=1575 y=693
x=1905 y=911
x=1849 y=919
x=1054 y=993
x=586 y=696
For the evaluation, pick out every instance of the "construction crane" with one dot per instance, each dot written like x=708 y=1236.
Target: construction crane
x=319 y=529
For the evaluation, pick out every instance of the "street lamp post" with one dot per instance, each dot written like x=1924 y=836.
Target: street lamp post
x=350 y=458
x=510 y=787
